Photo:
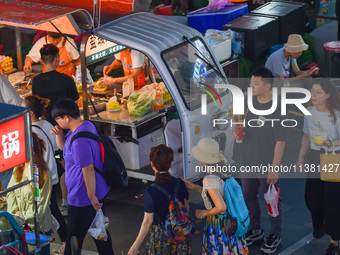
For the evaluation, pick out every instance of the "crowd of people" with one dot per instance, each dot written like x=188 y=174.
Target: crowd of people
x=56 y=119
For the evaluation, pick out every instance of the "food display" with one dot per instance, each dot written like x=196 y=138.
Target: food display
x=113 y=106
x=17 y=77
x=6 y=63
x=100 y=86
x=141 y=101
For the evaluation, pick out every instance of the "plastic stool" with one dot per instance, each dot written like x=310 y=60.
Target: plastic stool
x=332 y=52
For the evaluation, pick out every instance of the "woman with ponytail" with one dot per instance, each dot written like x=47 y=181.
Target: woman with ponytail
x=20 y=201
x=43 y=129
x=156 y=207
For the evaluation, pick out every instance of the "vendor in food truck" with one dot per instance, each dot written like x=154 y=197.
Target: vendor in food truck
x=133 y=63
x=69 y=55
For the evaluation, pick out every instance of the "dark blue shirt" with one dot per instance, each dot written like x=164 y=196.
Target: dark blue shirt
x=156 y=202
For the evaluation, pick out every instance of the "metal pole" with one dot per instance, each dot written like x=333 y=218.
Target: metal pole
x=95 y=13
x=84 y=73
x=18 y=47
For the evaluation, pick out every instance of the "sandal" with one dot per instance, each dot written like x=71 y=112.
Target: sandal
x=58 y=251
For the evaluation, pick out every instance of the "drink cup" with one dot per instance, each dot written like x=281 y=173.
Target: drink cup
x=240 y=133
x=319 y=139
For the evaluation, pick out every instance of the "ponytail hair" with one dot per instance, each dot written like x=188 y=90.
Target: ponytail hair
x=37 y=105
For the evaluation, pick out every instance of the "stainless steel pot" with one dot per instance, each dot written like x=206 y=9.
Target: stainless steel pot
x=7 y=234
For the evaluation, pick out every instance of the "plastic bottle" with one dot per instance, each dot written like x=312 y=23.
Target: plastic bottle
x=140 y=81
x=36 y=183
x=131 y=85
x=126 y=89
x=286 y=79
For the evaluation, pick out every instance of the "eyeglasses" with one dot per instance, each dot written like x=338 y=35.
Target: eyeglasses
x=58 y=118
x=318 y=93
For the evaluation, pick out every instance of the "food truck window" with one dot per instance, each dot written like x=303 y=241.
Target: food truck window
x=193 y=70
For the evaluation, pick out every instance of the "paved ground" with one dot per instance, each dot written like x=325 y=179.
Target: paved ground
x=126 y=214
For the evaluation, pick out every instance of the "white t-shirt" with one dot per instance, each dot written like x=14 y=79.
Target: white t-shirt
x=34 y=53
x=49 y=153
x=136 y=57
x=8 y=94
x=321 y=121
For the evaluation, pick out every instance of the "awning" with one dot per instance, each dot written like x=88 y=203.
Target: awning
x=39 y=16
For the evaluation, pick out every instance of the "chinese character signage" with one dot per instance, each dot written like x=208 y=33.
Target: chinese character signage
x=12 y=143
x=98 y=48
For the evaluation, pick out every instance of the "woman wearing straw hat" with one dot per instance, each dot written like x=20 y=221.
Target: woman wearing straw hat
x=282 y=61
x=208 y=154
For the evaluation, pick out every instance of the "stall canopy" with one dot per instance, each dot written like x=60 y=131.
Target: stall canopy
x=46 y=17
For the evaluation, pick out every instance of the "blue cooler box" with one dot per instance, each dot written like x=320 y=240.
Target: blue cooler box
x=202 y=19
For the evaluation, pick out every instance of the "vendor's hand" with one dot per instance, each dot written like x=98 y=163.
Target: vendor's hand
x=107 y=81
x=27 y=66
x=20 y=214
x=95 y=203
x=299 y=165
x=200 y=214
x=272 y=177
x=107 y=70
x=133 y=250
x=57 y=130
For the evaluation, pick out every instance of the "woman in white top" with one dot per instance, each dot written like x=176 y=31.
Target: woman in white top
x=207 y=152
x=42 y=128
x=322 y=198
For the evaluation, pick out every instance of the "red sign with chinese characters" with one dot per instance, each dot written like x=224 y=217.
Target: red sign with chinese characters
x=12 y=143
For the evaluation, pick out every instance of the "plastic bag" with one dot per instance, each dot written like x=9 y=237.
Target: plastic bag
x=55 y=224
x=217 y=5
x=272 y=199
x=98 y=226
x=141 y=101
x=89 y=79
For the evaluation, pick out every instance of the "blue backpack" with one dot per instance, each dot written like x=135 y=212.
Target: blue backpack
x=237 y=217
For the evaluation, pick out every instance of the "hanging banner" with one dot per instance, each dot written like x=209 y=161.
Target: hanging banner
x=98 y=48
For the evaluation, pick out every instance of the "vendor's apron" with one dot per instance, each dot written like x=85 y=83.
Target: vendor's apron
x=66 y=65
x=126 y=60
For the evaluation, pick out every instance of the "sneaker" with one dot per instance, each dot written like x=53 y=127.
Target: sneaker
x=318 y=233
x=332 y=249
x=63 y=210
x=272 y=244
x=254 y=236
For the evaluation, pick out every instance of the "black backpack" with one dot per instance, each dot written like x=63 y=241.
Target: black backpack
x=114 y=169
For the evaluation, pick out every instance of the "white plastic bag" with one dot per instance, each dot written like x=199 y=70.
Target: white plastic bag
x=55 y=224
x=272 y=199
x=89 y=79
x=98 y=226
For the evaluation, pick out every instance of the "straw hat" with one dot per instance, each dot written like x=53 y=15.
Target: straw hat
x=295 y=43
x=207 y=151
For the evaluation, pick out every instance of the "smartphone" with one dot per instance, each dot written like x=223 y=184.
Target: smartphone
x=315 y=69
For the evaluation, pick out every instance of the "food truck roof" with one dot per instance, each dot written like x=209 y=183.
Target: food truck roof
x=44 y=17
x=145 y=32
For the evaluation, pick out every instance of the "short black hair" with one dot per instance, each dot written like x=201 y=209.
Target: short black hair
x=54 y=35
x=266 y=75
x=65 y=107
x=48 y=53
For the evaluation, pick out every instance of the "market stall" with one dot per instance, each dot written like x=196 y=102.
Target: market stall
x=182 y=61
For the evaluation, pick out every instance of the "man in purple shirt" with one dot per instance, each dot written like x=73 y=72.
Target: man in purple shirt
x=86 y=188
